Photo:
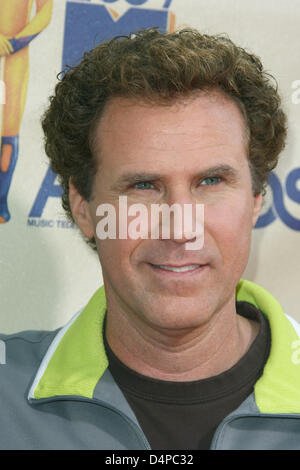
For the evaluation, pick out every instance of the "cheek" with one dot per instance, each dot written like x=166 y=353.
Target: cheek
x=229 y=227
x=115 y=256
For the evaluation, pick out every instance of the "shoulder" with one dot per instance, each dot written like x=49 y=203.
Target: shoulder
x=24 y=347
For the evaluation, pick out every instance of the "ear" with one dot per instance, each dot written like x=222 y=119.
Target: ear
x=256 y=208
x=80 y=211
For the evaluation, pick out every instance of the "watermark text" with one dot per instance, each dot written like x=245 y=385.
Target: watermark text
x=296 y=353
x=136 y=221
x=2 y=352
x=296 y=93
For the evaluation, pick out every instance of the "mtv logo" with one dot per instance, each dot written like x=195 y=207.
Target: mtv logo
x=87 y=24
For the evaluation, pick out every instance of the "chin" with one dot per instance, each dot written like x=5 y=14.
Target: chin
x=177 y=315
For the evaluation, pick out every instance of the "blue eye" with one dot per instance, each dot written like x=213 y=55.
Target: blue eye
x=211 y=181
x=145 y=183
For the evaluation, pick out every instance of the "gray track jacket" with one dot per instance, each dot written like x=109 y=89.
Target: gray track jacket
x=56 y=391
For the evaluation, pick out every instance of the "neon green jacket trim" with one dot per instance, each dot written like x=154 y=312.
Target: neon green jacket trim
x=76 y=360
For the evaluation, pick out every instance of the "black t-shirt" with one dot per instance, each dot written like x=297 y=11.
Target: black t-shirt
x=185 y=415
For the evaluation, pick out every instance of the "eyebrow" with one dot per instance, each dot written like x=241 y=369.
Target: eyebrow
x=130 y=178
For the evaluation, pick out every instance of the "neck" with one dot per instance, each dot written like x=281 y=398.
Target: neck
x=181 y=355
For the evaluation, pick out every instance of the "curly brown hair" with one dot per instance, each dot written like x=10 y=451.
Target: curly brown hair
x=155 y=67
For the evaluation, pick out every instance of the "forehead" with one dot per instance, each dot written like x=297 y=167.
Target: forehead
x=203 y=122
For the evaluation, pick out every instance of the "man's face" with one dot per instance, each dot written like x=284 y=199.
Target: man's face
x=197 y=149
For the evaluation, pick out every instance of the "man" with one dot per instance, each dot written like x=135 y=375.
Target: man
x=174 y=351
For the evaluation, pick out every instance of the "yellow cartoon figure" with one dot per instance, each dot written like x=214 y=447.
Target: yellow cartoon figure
x=17 y=29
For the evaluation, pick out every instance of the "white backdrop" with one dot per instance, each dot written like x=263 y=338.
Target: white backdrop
x=47 y=272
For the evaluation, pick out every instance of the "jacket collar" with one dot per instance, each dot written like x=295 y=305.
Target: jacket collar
x=278 y=389
x=76 y=359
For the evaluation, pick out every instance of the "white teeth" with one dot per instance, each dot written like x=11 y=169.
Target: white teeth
x=178 y=270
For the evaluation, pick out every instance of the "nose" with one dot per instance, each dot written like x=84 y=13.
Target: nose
x=181 y=217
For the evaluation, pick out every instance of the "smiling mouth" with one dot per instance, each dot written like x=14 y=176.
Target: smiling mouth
x=177 y=269
x=174 y=269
